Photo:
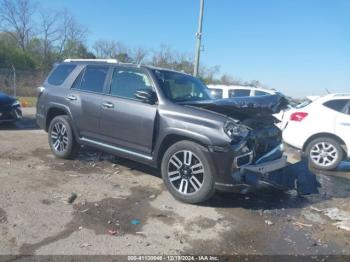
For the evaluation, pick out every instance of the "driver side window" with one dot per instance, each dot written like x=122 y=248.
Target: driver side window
x=127 y=81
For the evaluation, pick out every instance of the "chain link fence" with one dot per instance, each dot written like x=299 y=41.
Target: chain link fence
x=20 y=82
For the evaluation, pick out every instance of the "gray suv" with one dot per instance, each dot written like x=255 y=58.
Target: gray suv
x=167 y=120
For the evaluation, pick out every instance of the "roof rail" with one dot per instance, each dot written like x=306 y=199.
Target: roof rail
x=112 y=61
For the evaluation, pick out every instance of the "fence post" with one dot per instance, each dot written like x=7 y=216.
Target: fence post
x=14 y=81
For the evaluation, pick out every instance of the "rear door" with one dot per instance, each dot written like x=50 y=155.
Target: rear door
x=125 y=121
x=85 y=99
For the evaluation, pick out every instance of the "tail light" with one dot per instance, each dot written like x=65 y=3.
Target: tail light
x=298 y=116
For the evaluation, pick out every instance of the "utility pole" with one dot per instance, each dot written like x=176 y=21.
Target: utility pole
x=199 y=39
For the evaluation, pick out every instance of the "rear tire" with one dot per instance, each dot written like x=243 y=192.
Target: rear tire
x=61 y=138
x=324 y=153
x=186 y=172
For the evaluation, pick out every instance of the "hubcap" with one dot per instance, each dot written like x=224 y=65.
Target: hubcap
x=324 y=154
x=186 y=172
x=59 y=137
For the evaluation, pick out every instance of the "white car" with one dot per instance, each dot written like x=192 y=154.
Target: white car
x=284 y=115
x=321 y=130
x=229 y=91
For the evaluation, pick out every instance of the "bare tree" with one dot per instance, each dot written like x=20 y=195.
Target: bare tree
x=164 y=57
x=208 y=74
x=112 y=49
x=139 y=54
x=50 y=31
x=16 y=20
x=71 y=32
x=105 y=49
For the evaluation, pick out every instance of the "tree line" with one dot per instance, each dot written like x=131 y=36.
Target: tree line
x=34 y=38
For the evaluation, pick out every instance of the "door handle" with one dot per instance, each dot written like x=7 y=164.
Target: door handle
x=71 y=98
x=107 y=105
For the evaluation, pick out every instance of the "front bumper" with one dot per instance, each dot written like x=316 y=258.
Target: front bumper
x=271 y=169
x=10 y=115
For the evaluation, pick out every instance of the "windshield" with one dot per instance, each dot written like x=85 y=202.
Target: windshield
x=179 y=87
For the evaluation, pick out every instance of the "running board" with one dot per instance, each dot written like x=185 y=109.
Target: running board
x=117 y=149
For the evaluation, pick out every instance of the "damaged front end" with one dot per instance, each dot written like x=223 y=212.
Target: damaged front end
x=273 y=169
x=256 y=145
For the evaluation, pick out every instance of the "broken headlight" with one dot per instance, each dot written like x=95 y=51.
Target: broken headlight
x=16 y=104
x=235 y=131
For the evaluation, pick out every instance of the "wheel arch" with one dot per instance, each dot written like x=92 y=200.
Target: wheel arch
x=56 y=110
x=171 y=139
x=52 y=112
x=328 y=135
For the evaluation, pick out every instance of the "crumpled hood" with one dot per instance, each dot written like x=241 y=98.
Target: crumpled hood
x=5 y=99
x=244 y=108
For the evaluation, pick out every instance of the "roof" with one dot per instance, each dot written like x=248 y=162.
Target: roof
x=337 y=95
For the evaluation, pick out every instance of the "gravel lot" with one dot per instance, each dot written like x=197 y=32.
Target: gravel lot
x=123 y=208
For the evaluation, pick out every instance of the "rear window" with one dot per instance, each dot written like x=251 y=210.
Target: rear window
x=216 y=93
x=238 y=92
x=92 y=80
x=60 y=74
x=337 y=105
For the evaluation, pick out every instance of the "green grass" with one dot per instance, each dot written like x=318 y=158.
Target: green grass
x=27 y=101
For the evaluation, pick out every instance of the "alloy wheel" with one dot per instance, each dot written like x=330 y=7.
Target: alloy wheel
x=324 y=154
x=186 y=172
x=59 y=137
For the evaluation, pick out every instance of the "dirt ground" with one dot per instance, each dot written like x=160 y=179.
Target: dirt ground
x=123 y=208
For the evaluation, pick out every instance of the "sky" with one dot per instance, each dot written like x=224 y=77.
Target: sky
x=299 y=47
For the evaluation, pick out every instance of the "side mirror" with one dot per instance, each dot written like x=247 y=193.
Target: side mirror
x=146 y=95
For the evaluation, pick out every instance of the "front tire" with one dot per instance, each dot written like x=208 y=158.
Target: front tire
x=186 y=172
x=324 y=153
x=61 y=138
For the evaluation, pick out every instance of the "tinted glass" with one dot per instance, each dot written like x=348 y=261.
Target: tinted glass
x=126 y=82
x=179 y=87
x=337 y=105
x=94 y=79
x=260 y=93
x=60 y=74
x=216 y=93
x=238 y=92
x=347 y=108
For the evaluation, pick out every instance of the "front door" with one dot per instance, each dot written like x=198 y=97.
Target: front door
x=125 y=121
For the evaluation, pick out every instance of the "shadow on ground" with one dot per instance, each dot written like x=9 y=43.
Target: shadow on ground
x=257 y=199
x=26 y=123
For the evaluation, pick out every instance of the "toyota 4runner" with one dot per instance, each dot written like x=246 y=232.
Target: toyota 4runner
x=168 y=120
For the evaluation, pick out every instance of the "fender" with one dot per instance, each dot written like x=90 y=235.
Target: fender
x=170 y=136
x=202 y=139
x=53 y=105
